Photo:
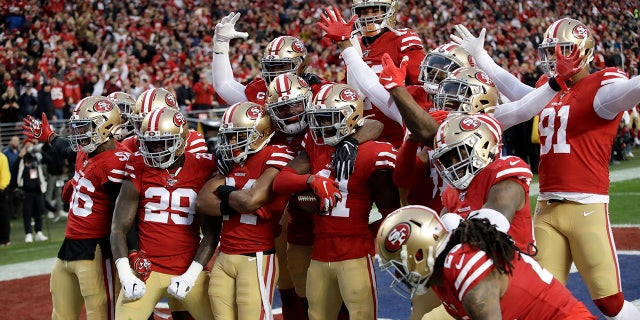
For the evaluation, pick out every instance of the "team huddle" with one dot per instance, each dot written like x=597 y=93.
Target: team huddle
x=417 y=135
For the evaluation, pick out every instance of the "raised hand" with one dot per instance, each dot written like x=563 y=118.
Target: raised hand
x=36 y=129
x=327 y=190
x=567 y=66
x=392 y=76
x=225 y=30
x=344 y=158
x=474 y=46
x=334 y=25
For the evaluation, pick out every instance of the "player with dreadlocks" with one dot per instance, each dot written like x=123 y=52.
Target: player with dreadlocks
x=475 y=269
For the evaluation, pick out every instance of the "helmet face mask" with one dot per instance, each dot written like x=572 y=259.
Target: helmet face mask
x=408 y=242
x=163 y=137
x=288 y=99
x=336 y=113
x=245 y=129
x=468 y=90
x=125 y=103
x=93 y=122
x=566 y=32
x=440 y=62
x=283 y=54
x=464 y=145
x=371 y=25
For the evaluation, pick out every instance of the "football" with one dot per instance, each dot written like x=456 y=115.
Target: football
x=306 y=201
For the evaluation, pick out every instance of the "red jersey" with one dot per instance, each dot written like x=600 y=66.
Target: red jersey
x=343 y=233
x=195 y=143
x=57 y=97
x=249 y=233
x=406 y=43
x=513 y=168
x=425 y=185
x=169 y=230
x=91 y=208
x=533 y=292
x=574 y=140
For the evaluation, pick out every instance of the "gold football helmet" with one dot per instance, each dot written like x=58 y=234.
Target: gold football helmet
x=283 y=54
x=371 y=26
x=464 y=145
x=92 y=123
x=335 y=113
x=150 y=100
x=125 y=103
x=566 y=32
x=288 y=99
x=467 y=89
x=245 y=129
x=440 y=62
x=163 y=137
x=409 y=241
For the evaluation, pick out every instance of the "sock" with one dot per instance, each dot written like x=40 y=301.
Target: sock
x=292 y=306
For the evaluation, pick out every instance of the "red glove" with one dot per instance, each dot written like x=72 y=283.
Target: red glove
x=140 y=264
x=439 y=115
x=567 y=66
x=333 y=24
x=327 y=190
x=392 y=76
x=35 y=129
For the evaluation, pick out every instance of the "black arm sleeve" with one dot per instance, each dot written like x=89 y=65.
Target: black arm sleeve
x=62 y=146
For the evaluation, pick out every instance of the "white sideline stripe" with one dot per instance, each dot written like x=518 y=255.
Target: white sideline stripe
x=614 y=176
x=636 y=303
x=26 y=269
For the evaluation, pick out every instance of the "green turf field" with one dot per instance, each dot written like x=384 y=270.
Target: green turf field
x=625 y=198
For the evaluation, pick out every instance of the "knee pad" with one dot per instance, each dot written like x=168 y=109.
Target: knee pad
x=610 y=306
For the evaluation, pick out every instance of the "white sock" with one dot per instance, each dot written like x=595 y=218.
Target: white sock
x=628 y=312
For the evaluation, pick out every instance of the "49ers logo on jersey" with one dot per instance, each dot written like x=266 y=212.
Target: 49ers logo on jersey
x=469 y=124
x=348 y=95
x=179 y=120
x=580 y=32
x=254 y=113
x=103 y=106
x=298 y=46
x=484 y=78
x=397 y=237
x=170 y=100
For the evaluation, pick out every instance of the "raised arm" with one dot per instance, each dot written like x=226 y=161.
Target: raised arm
x=225 y=85
x=619 y=95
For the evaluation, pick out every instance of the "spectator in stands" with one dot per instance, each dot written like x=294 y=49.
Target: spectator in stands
x=11 y=152
x=45 y=101
x=10 y=107
x=28 y=101
x=57 y=98
x=32 y=181
x=5 y=215
x=184 y=94
x=204 y=93
x=55 y=180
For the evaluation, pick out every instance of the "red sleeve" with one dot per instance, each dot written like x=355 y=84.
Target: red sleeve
x=288 y=181
x=67 y=191
x=416 y=55
x=405 y=164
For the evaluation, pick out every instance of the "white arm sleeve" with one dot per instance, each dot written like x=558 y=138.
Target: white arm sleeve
x=225 y=85
x=512 y=113
x=98 y=87
x=619 y=95
x=506 y=83
x=363 y=78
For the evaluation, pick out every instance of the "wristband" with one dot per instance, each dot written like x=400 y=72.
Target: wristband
x=194 y=271
x=223 y=192
x=122 y=265
x=553 y=83
x=220 y=47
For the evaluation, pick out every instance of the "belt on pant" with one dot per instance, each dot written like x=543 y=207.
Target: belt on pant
x=253 y=254
x=550 y=201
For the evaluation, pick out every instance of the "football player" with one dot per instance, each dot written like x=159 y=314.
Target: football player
x=125 y=103
x=289 y=96
x=160 y=194
x=245 y=272
x=577 y=129
x=341 y=268
x=476 y=270
x=82 y=274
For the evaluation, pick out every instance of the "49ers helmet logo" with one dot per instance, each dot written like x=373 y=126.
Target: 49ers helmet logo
x=103 y=106
x=469 y=124
x=298 y=46
x=179 y=120
x=170 y=100
x=254 y=113
x=484 y=78
x=348 y=95
x=397 y=237
x=580 y=32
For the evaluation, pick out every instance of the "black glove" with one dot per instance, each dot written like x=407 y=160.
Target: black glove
x=224 y=166
x=344 y=158
x=311 y=78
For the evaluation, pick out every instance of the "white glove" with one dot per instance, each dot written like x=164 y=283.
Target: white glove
x=451 y=220
x=474 y=46
x=225 y=31
x=180 y=286
x=132 y=286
